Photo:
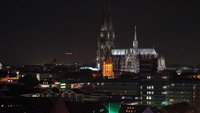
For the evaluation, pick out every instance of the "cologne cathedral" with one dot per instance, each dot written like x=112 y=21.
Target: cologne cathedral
x=134 y=59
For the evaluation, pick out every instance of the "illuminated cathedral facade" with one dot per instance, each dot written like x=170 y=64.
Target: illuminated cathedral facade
x=134 y=59
x=137 y=59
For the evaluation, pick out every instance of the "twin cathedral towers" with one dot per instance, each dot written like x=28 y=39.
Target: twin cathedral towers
x=106 y=39
x=127 y=60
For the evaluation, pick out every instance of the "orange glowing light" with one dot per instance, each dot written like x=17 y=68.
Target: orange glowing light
x=108 y=68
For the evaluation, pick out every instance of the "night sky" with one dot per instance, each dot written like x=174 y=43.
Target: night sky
x=36 y=31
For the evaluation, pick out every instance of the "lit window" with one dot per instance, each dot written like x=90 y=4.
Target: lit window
x=101 y=34
x=148 y=77
x=150 y=87
x=164 y=93
x=149 y=102
x=164 y=87
x=164 y=77
x=148 y=97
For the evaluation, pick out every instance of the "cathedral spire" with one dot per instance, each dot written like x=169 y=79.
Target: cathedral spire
x=107 y=21
x=135 y=42
x=135 y=35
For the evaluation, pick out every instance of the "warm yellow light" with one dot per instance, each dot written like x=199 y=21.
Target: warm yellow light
x=198 y=76
x=6 y=79
x=108 y=69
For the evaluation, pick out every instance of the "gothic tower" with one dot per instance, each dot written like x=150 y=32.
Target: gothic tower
x=106 y=37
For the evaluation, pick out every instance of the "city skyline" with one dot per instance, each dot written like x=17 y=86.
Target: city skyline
x=36 y=32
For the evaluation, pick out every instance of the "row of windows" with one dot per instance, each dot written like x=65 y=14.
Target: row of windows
x=150 y=92
x=130 y=107
x=148 y=97
x=12 y=105
x=130 y=111
x=149 y=102
x=148 y=87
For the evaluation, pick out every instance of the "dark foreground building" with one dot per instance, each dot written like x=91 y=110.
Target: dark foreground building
x=48 y=105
